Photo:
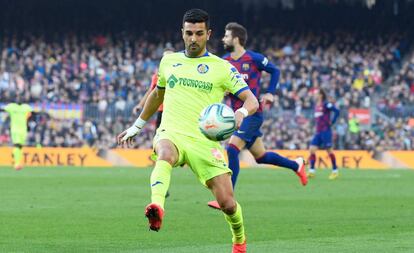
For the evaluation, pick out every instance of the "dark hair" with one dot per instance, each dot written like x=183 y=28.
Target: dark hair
x=196 y=16
x=238 y=31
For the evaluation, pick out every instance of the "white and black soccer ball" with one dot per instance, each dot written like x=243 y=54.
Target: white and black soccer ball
x=217 y=122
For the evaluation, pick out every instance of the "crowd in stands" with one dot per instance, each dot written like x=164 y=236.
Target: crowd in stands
x=399 y=99
x=108 y=75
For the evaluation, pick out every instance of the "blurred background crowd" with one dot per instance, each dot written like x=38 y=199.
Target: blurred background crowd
x=88 y=80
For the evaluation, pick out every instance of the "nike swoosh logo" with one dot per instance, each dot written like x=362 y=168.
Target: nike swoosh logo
x=240 y=132
x=158 y=182
x=177 y=65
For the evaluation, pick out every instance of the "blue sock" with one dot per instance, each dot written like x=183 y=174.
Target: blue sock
x=278 y=160
x=312 y=161
x=333 y=160
x=234 y=164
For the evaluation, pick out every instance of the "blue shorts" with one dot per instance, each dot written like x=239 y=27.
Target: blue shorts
x=250 y=129
x=322 y=139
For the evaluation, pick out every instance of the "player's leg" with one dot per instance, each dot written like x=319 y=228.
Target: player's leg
x=315 y=143
x=233 y=150
x=17 y=156
x=312 y=161
x=334 y=174
x=326 y=137
x=158 y=121
x=243 y=137
x=18 y=139
x=154 y=156
x=167 y=156
x=206 y=160
x=236 y=143
x=221 y=187
x=267 y=157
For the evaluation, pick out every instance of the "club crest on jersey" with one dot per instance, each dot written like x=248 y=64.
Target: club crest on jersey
x=246 y=67
x=202 y=68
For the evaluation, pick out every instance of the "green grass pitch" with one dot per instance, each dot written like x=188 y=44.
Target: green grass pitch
x=102 y=210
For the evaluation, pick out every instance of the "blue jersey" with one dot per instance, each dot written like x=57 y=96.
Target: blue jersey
x=250 y=65
x=323 y=116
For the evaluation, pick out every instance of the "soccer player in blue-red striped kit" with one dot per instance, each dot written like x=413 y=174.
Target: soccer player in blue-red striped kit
x=250 y=65
x=323 y=135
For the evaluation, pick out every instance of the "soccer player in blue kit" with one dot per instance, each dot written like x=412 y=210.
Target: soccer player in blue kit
x=250 y=65
x=323 y=135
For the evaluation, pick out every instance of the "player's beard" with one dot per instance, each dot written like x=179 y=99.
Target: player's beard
x=194 y=50
x=228 y=48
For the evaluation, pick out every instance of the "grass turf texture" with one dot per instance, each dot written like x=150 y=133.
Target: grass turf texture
x=102 y=210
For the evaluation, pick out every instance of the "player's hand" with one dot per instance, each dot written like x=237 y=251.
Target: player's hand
x=137 y=109
x=239 y=119
x=127 y=136
x=267 y=99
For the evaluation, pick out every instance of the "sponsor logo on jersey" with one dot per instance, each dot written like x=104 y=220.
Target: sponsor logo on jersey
x=191 y=83
x=172 y=80
x=197 y=84
x=202 y=68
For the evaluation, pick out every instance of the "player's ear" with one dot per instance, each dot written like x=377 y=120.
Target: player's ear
x=208 y=34
x=237 y=40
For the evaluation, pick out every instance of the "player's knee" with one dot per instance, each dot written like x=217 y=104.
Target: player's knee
x=167 y=155
x=259 y=157
x=228 y=206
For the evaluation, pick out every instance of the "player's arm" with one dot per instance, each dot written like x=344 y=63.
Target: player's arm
x=249 y=107
x=335 y=111
x=141 y=103
x=154 y=100
x=152 y=103
x=238 y=87
x=265 y=65
x=7 y=108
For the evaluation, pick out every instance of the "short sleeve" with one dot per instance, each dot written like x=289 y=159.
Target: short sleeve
x=154 y=81
x=234 y=81
x=161 y=83
x=28 y=108
x=9 y=107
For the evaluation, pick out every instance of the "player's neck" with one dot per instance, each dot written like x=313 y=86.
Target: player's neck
x=238 y=52
x=203 y=52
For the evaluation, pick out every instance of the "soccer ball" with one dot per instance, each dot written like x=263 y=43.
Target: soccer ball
x=217 y=122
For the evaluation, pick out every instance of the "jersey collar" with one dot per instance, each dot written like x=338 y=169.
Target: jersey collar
x=204 y=55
